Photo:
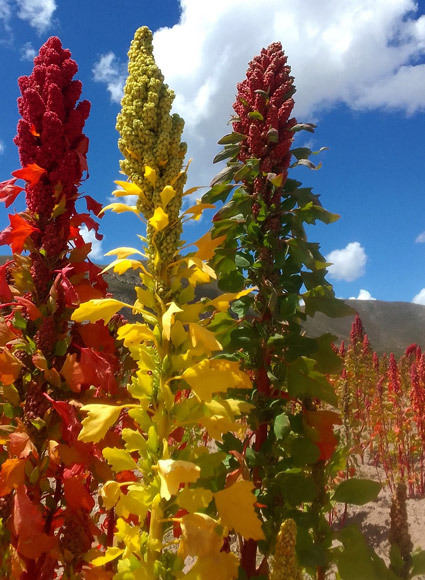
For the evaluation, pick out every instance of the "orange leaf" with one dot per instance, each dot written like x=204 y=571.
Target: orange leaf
x=72 y=373
x=86 y=291
x=16 y=234
x=32 y=173
x=206 y=246
x=10 y=367
x=322 y=423
x=20 y=444
x=12 y=474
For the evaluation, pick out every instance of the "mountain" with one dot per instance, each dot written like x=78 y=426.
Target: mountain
x=391 y=326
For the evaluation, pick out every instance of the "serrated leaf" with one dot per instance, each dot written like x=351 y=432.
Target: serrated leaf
x=99 y=419
x=98 y=309
x=215 y=375
x=119 y=459
x=159 y=220
x=357 y=491
x=235 y=505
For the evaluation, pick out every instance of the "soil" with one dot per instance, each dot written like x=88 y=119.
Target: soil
x=373 y=518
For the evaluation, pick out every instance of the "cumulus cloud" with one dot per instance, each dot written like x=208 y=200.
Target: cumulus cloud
x=420 y=297
x=28 y=52
x=348 y=264
x=96 y=245
x=420 y=239
x=329 y=46
x=363 y=295
x=112 y=72
x=38 y=13
x=5 y=11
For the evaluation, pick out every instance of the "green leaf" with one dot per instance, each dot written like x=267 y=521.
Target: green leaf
x=418 y=563
x=229 y=151
x=359 y=562
x=243 y=261
x=304 y=452
x=304 y=380
x=281 y=426
x=297 y=488
x=226 y=174
x=232 y=138
x=217 y=193
x=357 y=491
x=256 y=115
x=327 y=360
x=232 y=282
x=303 y=127
x=322 y=299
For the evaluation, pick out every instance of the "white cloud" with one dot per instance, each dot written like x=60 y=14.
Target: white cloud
x=28 y=52
x=38 y=13
x=5 y=11
x=96 y=248
x=126 y=199
x=2 y=147
x=363 y=295
x=111 y=71
x=420 y=239
x=420 y=297
x=329 y=46
x=349 y=263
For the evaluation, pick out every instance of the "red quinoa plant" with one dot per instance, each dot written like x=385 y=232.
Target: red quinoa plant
x=290 y=446
x=48 y=365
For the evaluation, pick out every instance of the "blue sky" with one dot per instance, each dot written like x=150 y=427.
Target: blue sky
x=359 y=68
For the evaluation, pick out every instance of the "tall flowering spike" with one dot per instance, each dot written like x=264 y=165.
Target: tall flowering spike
x=264 y=106
x=151 y=140
x=285 y=564
x=52 y=151
x=399 y=529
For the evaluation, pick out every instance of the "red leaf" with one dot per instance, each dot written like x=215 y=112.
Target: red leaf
x=93 y=205
x=71 y=427
x=16 y=234
x=97 y=336
x=5 y=293
x=97 y=370
x=32 y=173
x=76 y=494
x=85 y=218
x=9 y=191
x=32 y=310
x=28 y=524
x=20 y=444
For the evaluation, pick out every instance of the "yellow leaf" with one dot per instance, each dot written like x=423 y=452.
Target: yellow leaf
x=174 y=472
x=110 y=554
x=136 y=333
x=99 y=419
x=167 y=195
x=190 y=312
x=110 y=494
x=203 y=337
x=136 y=501
x=220 y=565
x=150 y=175
x=213 y=376
x=98 y=309
x=222 y=302
x=159 y=220
x=134 y=440
x=119 y=208
x=168 y=319
x=206 y=246
x=194 y=261
x=145 y=297
x=123 y=252
x=178 y=334
x=196 y=210
x=141 y=385
x=121 y=266
x=193 y=500
x=128 y=188
x=119 y=459
x=193 y=189
x=200 y=536
x=235 y=505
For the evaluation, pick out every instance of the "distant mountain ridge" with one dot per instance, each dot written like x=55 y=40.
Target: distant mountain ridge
x=390 y=326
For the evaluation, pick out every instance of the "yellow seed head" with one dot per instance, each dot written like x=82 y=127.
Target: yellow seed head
x=284 y=564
